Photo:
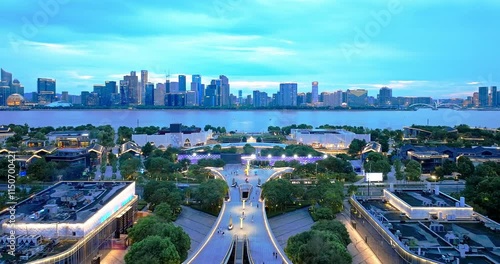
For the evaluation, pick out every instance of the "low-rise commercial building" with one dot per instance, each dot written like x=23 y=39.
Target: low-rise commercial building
x=326 y=138
x=70 y=222
x=176 y=136
x=424 y=226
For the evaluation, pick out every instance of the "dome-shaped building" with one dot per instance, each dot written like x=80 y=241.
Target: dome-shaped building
x=15 y=100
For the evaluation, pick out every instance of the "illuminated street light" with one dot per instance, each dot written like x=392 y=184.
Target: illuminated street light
x=309 y=156
x=325 y=156
x=194 y=154
x=283 y=156
x=295 y=156
x=269 y=156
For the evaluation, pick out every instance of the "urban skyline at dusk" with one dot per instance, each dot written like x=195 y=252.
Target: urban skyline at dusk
x=257 y=44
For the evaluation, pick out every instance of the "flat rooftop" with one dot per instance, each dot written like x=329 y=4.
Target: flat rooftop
x=436 y=243
x=70 y=202
x=424 y=198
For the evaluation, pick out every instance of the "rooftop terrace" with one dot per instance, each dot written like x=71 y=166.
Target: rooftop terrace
x=70 y=202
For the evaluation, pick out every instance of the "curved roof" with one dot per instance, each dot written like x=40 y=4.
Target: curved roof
x=59 y=104
x=15 y=100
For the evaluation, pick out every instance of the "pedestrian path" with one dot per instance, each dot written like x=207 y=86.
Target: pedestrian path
x=248 y=220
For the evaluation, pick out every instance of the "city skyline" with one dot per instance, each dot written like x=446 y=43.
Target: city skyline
x=442 y=50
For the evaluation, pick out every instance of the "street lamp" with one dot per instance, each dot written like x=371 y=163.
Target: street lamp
x=368 y=178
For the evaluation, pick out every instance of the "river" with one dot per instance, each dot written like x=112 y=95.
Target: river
x=251 y=120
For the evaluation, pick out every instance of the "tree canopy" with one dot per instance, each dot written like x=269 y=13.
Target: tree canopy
x=163 y=248
x=325 y=243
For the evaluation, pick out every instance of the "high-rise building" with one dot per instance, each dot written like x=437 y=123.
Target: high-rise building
x=159 y=94
x=150 y=96
x=260 y=99
x=191 y=98
x=46 y=89
x=385 y=96
x=99 y=90
x=314 y=93
x=84 y=98
x=174 y=87
x=4 y=93
x=210 y=98
x=309 y=98
x=144 y=81
x=182 y=83
x=197 y=86
x=107 y=93
x=287 y=96
x=17 y=87
x=124 y=93
x=240 y=97
x=65 y=96
x=494 y=97
x=357 y=98
x=224 y=91
x=301 y=99
x=167 y=86
x=475 y=99
x=132 y=88
x=175 y=99
x=6 y=78
x=483 y=96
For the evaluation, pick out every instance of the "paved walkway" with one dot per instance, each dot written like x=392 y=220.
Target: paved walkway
x=248 y=222
x=196 y=224
x=359 y=250
x=290 y=224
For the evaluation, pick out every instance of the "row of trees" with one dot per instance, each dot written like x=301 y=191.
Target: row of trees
x=326 y=243
x=103 y=134
x=482 y=189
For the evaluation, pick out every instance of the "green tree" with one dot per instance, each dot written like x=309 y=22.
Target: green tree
x=4 y=169
x=465 y=167
x=317 y=247
x=128 y=168
x=211 y=193
x=413 y=170
x=163 y=248
x=40 y=170
x=147 y=149
x=335 y=227
x=376 y=162
x=164 y=211
x=399 y=173
x=248 y=149
x=356 y=146
x=279 y=192
x=449 y=167
x=157 y=165
x=124 y=134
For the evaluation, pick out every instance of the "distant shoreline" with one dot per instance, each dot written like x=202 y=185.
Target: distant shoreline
x=238 y=109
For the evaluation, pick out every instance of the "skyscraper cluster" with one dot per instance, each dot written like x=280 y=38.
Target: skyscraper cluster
x=8 y=87
x=133 y=91
x=137 y=90
x=484 y=98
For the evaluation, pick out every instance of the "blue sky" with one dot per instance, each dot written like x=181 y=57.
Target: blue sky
x=443 y=48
